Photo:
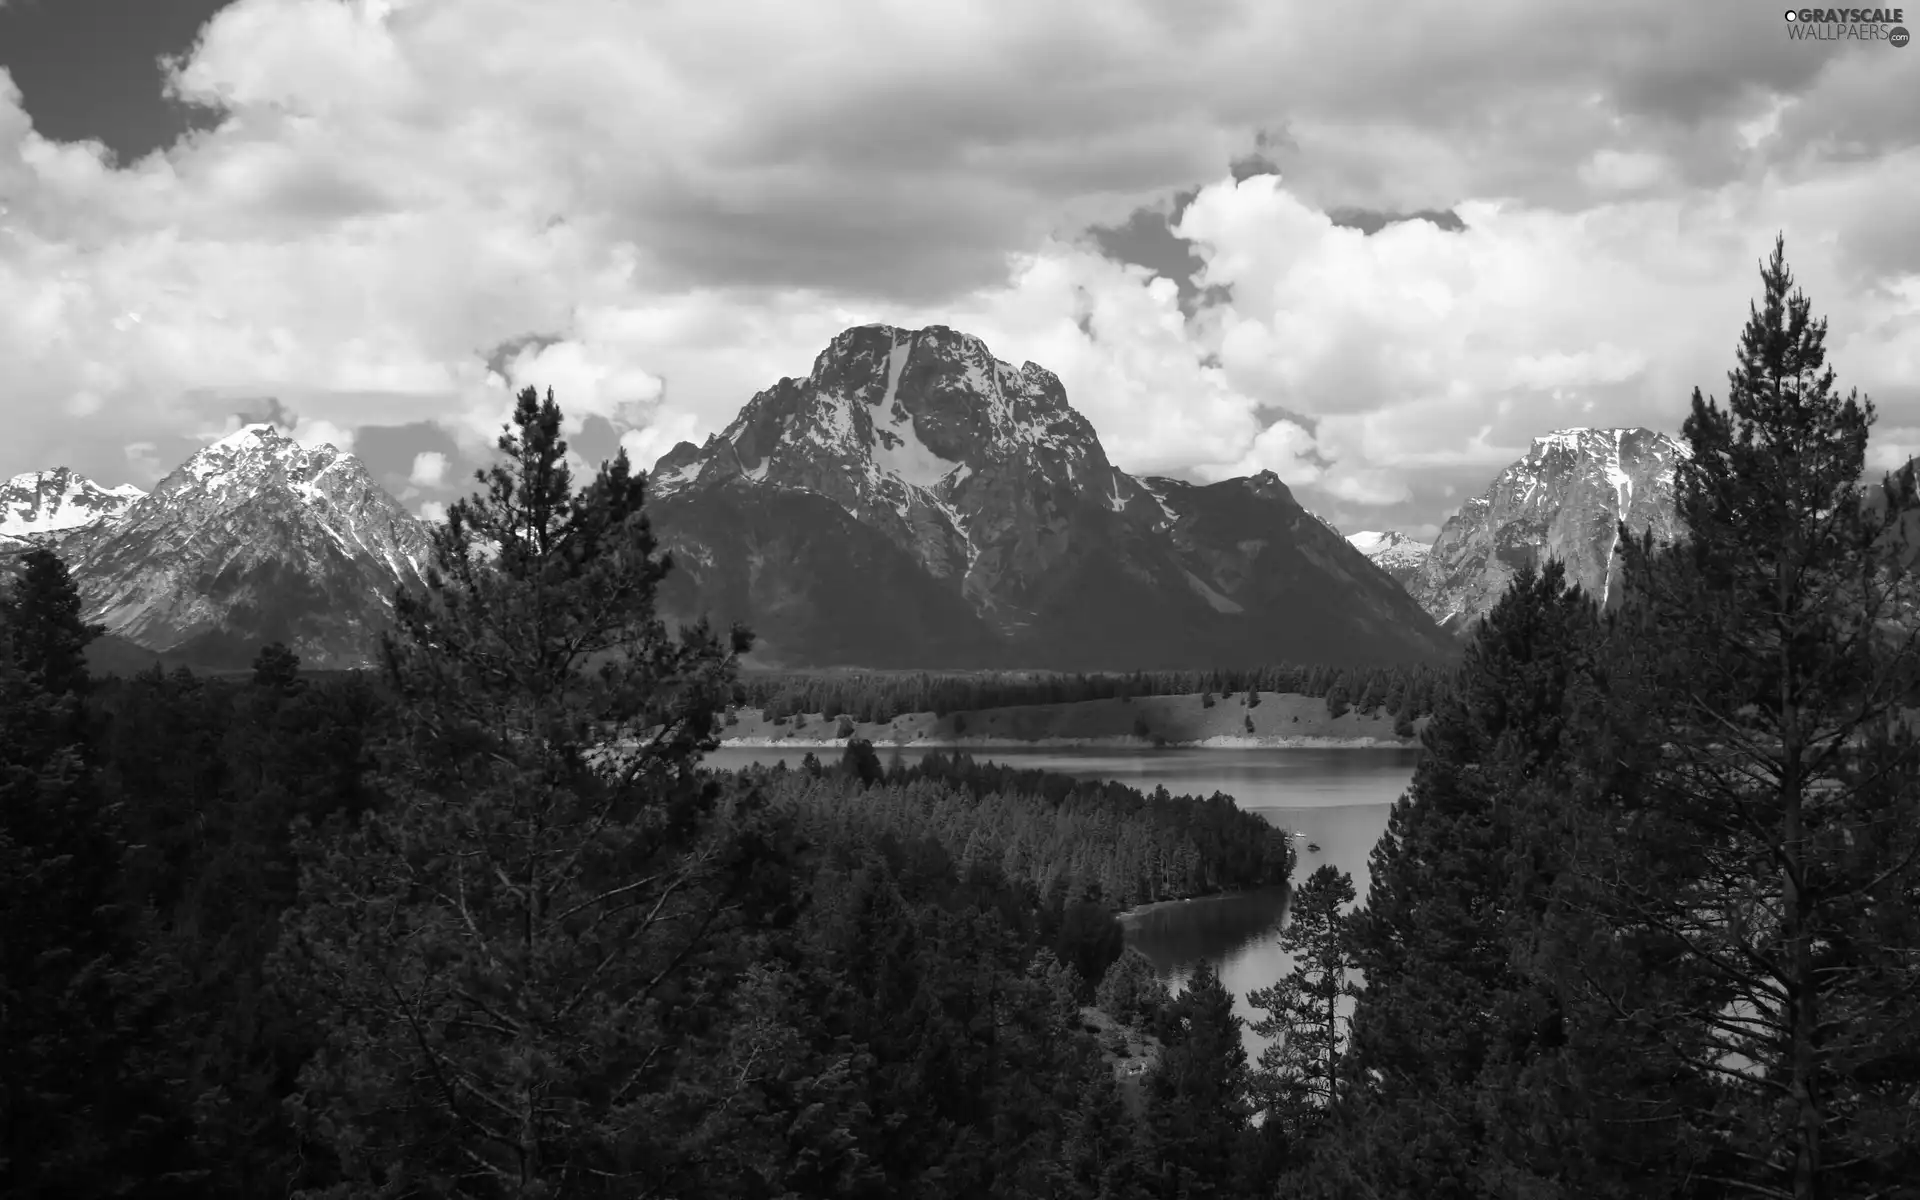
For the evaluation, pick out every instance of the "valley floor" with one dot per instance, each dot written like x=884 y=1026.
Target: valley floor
x=1278 y=720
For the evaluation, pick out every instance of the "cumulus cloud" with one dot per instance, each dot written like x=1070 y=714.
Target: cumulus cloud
x=681 y=202
x=1421 y=348
x=429 y=469
x=323 y=433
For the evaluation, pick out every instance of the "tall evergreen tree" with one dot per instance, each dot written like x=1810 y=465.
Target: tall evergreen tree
x=1455 y=1083
x=509 y=956
x=1769 y=780
x=41 y=612
x=1197 y=1099
x=69 y=1104
x=1299 y=1068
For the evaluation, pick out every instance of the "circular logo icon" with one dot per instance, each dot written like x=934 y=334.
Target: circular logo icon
x=1899 y=36
x=1792 y=15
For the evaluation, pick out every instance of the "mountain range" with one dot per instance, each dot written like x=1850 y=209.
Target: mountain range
x=253 y=539
x=911 y=502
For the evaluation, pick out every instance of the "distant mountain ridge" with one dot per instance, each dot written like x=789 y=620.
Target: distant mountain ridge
x=1398 y=554
x=1564 y=499
x=253 y=539
x=914 y=501
x=47 y=505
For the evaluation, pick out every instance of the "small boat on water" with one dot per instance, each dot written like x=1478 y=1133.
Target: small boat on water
x=1313 y=847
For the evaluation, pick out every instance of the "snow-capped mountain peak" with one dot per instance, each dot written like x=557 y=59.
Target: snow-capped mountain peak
x=254 y=538
x=1564 y=499
x=58 y=502
x=1396 y=553
x=261 y=433
x=247 y=455
x=969 y=512
x=1371 y=542
x=915 y=432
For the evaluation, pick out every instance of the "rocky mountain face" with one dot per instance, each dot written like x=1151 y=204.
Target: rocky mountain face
x=916 y=502
x=48 y=506
x=1398 y=554
x=1564 y=500
x=253 y=539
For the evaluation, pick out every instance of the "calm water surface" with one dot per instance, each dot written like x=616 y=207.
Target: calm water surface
x=1338 y=798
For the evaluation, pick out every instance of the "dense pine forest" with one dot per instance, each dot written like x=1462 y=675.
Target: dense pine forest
x=1406 y=692
x=1645 y=924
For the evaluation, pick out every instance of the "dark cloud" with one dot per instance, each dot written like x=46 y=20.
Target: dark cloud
x=829 y=234
x=388 y=451
x=501 y=355
x=598 y=441
x=1370 y=222
x=1862 y=106
x=266 y=410
x=1146 y=239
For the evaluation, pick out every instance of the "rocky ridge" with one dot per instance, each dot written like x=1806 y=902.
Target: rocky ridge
x=253 y=539
x=1398 y=554
x=1565 y=499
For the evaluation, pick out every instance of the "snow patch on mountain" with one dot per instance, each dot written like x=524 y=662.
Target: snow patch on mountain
x=898 y=450
x=1160 y=497
x=50 y=504
x=896 y=366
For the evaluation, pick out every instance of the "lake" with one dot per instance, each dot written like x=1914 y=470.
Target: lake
x=1338 y=798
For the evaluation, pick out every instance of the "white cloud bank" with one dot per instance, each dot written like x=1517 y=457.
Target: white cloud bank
x=686 y=200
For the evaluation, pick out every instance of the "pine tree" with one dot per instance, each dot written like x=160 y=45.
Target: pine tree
x=71 y=1106
x=508 y=958
x=1461 y=1046
x=1197 y=1100
x=1299 y=1068
x=1770 y=785
x=1131 y=992
x=41 y=613
x=276 y=667
x=1097 y=1159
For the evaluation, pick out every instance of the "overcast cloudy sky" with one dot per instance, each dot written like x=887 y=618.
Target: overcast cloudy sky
x=371 y=220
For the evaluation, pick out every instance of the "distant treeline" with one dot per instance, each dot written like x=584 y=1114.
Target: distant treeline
x=1403 y=691
x=1058 y=835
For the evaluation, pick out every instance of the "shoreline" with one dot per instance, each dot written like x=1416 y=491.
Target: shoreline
x=1115 y=742
x=1140 y=910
